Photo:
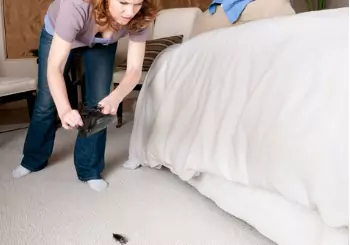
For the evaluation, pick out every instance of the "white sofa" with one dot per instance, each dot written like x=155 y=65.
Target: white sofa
x=191 y=22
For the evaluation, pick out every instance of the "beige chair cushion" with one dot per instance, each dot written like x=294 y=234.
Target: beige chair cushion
x=16 y=85
x=258 y=9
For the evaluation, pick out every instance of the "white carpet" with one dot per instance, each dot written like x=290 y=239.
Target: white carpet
x=150 y=207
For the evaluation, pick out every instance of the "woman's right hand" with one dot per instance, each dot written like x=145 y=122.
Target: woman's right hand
x=71 y=119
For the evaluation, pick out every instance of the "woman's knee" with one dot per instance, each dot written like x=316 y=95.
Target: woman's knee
x=92 y=99
x=44 y=104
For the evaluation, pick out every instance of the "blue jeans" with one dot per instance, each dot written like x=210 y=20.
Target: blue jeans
x=88 y=152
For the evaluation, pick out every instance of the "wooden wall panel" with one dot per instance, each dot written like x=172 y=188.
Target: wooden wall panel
x=23 y=21
x=202 y=4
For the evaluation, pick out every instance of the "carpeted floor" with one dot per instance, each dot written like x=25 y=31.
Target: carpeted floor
x=150 y=207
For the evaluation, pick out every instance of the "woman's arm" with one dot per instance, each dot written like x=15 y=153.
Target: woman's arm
x=136 y=53
x=70 y=20
x=57 y=59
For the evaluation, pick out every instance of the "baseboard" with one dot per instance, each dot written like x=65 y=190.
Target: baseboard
x=10 y=127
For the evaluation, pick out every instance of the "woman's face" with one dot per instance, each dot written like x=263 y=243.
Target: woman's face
x=124 y=10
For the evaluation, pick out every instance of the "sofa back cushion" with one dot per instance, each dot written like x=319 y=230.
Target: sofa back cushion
x=169 y=22
x=176 y=21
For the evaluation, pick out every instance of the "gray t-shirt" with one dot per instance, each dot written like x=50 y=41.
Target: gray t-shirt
x=71 y=20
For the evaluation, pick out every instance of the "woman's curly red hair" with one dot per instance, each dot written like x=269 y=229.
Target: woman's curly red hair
x=141 y=20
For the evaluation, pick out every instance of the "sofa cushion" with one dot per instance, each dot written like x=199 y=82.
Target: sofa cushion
x=153 y=49
x=175 y=21
x=166 y=24
x=258 y=9
x=15 y=85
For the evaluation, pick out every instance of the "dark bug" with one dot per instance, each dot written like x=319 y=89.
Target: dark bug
x=121 y=239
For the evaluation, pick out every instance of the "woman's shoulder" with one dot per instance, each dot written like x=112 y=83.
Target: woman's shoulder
x=76 y=2
x=80 y=4
x=81 y=8
x=69 y=17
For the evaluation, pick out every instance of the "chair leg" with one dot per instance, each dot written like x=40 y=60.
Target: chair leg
x=30 y=103
x=120 y=115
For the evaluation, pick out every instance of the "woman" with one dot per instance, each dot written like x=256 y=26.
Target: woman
x=93 y=28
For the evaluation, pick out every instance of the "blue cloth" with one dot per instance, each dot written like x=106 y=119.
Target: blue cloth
x=232 y=8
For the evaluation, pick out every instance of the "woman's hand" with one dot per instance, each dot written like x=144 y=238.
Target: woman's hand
x=136 y=52
x=109 y=105
x=71 y=119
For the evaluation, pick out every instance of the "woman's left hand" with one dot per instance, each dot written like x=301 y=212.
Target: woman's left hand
x=109 y=105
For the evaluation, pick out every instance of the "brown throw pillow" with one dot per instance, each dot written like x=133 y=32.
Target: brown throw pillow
x=153 y=49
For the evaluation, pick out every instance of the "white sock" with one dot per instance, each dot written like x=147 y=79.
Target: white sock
x=20 y=171
x=98 y=184
x=131 y=165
